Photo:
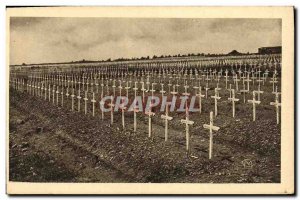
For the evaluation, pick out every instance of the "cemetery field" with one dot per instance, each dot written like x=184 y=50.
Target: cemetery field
x=50 y=143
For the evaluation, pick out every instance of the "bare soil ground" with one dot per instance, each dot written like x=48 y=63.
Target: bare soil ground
x=48 y=143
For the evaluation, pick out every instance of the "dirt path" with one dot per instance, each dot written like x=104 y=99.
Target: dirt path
x=45 y=154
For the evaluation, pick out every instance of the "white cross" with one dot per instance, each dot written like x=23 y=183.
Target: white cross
x=85 y=102
x=153 y=90
x=169 y=86
x=236 y=80
x=102 y=106
x=114 y=87
x=211 y=128
x=57 y=93
x=218 y=87
x=135 y=88
x=62 y=96
x=53 y=93
x=78 y=97
x=244 y=91
x=226 y=77
x=187 y=123
x=93 y=102
x=248 y=80
x=233 y=100
x=135 y=110
x=166 y=117
x=273 y=82
x=72 y=97
x=162 y=90
x=111 y=105
x=200 y=95
x=127 y=88
x=254 y=102
x=258 y=91
x=216 y=97
x=150 y=114
x=185 y=90
x=174 y=91
x=276 y=104
x=206 y=90
x=196 y=89
x=123 y=108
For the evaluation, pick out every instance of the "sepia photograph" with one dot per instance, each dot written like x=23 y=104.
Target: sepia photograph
x=159 y=97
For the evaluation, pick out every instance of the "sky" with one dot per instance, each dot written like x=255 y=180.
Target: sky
x=48 y=39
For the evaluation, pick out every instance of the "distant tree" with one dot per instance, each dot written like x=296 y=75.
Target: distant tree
x=154 y=57
x=23 y=64
x=108 y=60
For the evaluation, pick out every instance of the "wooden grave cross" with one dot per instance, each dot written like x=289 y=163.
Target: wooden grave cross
x=169 y=86
x=111 y=105
x=135 y=110
x=185 y=90
x=258 y=91
x=206 y=90
x=143 y=90
x=78 y=97
x=53 y=94
x=107 y=87
x=92 y=85
x=123 y=108
x=273 y=81
x=127 y=88
x=187 y=123
x=174 y=91
x=200 y=95
x=85 y=102
x=226 y=77
x=62 y=96
x=276 y=104
x=93 y=102
x=150 y=114
x=102 y=105
x=248 y=80
x=233 y=100
x=49 y=94
x=67 y=93
x=162 y=90
x=166 y=117
x=72 y=97
x=211 y=128
x=152 y=89
x=196 y=89
x=114 y=87
x=254 y=102
x=135 y=88
x=236 y=80
x=45 y=88
x=244 y=91
x=216 y=97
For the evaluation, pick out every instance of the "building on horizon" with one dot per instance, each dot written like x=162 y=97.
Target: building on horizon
x=270 y=50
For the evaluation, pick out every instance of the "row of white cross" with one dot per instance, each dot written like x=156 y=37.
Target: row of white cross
x=216 y=97
x=207 y=76
x=271 y=62
x=166 y=117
